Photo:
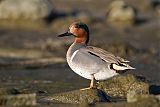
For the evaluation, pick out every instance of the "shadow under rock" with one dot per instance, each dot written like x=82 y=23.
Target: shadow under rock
x=154 y=89
x=140 y=21
x=104 y=96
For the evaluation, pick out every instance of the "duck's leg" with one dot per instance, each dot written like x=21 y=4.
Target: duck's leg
x=91 y=84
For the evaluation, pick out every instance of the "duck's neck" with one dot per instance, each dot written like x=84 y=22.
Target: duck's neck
x=75 y=46
x=80 y=40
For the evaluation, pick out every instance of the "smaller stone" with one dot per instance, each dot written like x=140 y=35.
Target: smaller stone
x=131 y=96
x=158 y=97
x=134 y=97
x=120 y=11
x=88 y=96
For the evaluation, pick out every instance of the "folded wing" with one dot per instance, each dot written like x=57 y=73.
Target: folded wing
x=117 y=63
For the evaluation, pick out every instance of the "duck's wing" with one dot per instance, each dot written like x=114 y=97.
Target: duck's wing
x=117 y=63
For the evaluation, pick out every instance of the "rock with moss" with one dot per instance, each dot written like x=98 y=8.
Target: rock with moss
x=88 y=96
x=25 y=9
x=120 y=85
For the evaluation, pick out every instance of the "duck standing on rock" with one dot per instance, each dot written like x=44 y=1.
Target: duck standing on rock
x=91 y=62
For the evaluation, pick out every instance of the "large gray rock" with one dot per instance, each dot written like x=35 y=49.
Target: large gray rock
x=25 y=9
x=119 y=86
x=89 y=96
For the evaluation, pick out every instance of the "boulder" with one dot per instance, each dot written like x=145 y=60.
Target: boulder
x=120 y=85
x=25 y=9
x=88 y=96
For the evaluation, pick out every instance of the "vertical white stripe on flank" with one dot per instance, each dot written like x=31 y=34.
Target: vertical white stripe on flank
x=74 y=55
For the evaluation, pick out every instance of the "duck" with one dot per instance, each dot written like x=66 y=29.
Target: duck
x=91 y=62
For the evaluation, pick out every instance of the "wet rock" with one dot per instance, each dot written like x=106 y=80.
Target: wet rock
x=119 y=86
x=25 y=9
x=18 y=100
x=119 y=12
x=89 y=96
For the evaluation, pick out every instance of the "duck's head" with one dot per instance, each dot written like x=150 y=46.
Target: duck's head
x=79 y=30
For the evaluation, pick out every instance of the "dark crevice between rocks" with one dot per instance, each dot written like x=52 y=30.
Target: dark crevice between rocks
x=104 y=96
x=140 y=21
x=154 y=89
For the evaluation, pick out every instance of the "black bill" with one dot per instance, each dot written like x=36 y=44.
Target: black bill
x=65 y=34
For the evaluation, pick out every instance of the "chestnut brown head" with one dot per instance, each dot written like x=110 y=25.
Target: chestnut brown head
x=80 y=31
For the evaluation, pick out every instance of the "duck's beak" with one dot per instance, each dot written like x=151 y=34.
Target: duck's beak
x=65 y=34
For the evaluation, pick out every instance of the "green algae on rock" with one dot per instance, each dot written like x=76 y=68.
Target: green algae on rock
x=119 y=86
x=88 y=96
